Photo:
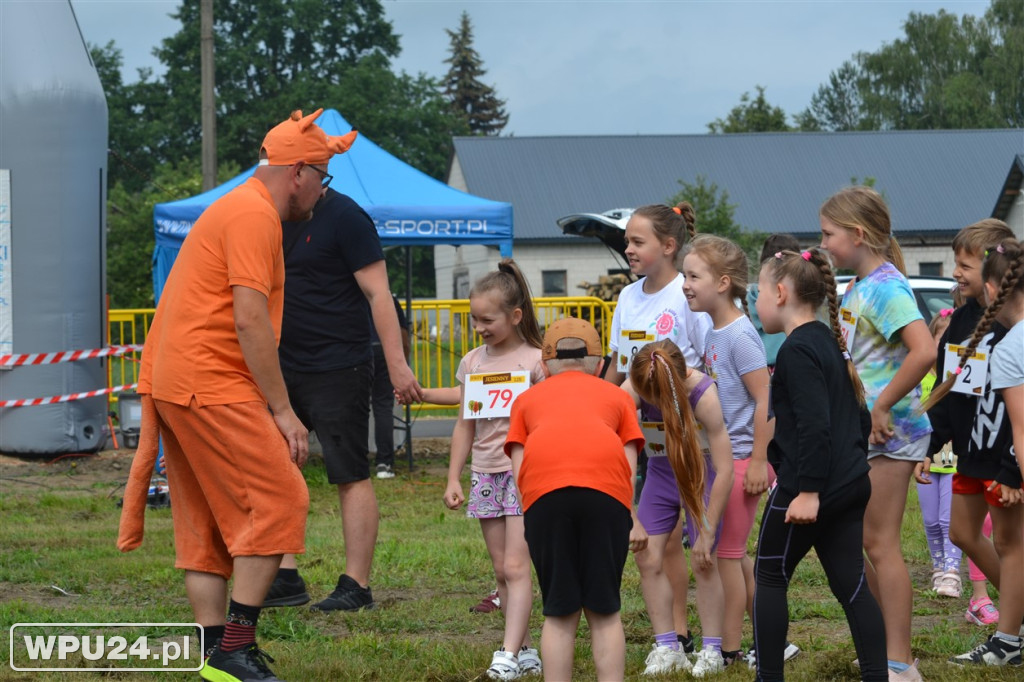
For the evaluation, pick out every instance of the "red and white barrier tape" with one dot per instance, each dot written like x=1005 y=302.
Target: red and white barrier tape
x=65 y=398
x=64 y=356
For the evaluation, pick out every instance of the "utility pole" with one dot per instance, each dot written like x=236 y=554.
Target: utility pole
x=208 y=103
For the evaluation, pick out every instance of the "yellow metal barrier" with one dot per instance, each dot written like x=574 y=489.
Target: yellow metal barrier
x=126 y=327
x=441 y=331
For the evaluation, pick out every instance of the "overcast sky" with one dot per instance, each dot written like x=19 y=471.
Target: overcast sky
x=586 y=67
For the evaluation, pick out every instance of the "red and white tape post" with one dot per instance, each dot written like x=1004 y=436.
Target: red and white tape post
x=50 y=400
x=64 y=356
x=18 y=360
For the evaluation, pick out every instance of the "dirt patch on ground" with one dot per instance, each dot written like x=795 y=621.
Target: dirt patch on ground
x=81 y=472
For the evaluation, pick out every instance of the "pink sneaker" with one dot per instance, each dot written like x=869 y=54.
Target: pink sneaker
x=982 y=612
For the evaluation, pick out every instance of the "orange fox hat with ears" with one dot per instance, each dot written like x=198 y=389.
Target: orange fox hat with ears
x=299 y=139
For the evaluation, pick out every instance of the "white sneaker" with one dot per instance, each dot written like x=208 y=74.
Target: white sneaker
x=504 y=666
x=665 y=659
x=529 y=662
x=950 y=585
x=789 y=652
x=937 y=574
x=708 y=662
x=385 y=471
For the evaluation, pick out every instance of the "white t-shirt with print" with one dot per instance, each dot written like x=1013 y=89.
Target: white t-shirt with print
x=664 y=313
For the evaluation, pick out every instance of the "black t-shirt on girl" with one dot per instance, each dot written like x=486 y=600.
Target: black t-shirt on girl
x=821 y=433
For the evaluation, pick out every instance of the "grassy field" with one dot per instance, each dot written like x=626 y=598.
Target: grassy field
x=58 y=563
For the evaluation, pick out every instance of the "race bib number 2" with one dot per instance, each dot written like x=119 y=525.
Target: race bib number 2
x=971 y=379
x=491 y=395
x=630 y=342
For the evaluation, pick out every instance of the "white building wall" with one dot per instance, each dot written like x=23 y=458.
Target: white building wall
x=1015 y=218
x=584 y=261
x=914 y=256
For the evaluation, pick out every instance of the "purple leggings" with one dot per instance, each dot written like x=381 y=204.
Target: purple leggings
x=936 y=500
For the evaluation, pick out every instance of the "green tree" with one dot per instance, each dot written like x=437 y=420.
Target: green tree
x=133 y=111
x=130 y=239
x=751 y=116
x=944 y=73
x=470 y=98
x=715 y=215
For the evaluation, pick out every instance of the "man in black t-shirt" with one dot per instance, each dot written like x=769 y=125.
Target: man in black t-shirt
x=336 y=287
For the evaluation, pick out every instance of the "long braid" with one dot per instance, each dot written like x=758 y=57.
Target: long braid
x=1009 y=256
x=833 y=316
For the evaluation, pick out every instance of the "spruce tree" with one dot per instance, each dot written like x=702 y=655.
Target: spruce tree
x=469 y=97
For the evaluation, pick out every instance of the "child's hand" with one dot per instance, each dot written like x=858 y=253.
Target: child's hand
x=922 y=471
x=637 y=538
x=701 y=552
x=1008 y=496
x=453 y=496
x=755 y=481
x=161 y=466
x=881 y=426
x=803 y=509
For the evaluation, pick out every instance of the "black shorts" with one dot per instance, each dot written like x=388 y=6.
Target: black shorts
x=579 y=541
x=336 y=404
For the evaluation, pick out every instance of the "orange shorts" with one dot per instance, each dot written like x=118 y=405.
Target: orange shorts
x=234 y=489
x=967 y=485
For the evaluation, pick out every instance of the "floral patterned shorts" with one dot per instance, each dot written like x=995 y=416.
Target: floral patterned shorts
x=492 y=496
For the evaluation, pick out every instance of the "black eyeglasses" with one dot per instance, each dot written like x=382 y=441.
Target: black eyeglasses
x=325 y=177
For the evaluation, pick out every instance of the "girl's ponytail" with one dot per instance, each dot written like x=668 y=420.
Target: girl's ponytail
x=894 y=254
x=515 y=293
x=825 y=268
x=658 y=374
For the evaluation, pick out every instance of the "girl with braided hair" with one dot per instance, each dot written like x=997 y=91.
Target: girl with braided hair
x=697 y=455
x=819 y=451
x=988 y=476
x=892 y=350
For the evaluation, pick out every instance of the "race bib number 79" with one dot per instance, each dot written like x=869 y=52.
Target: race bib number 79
x=491 y=395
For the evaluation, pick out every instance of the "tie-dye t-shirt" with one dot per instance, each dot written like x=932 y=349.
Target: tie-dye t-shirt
x=884 y=304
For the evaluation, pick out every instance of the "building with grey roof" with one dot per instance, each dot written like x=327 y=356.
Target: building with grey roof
x=935 y=181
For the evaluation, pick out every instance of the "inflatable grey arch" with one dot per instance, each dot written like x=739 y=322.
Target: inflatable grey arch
x=53 y=163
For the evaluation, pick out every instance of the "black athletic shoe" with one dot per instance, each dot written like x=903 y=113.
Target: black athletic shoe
x=348 y=596
x=244 y=665
x=686 y=643
x=286 y=593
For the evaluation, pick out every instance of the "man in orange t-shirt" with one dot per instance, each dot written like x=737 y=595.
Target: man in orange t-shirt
x=232 y=442
x=573 y=440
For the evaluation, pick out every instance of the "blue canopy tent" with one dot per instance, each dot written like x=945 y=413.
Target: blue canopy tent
x=409 y=207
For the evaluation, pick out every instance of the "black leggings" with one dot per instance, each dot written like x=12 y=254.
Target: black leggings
x=837 y=537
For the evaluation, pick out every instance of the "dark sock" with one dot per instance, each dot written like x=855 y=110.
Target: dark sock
x=686 y=642
x=212 y=633
x=288 y=575
x=240 y=630
x=730 y=656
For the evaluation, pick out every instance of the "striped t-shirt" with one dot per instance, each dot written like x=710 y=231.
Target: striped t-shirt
x=729 y=353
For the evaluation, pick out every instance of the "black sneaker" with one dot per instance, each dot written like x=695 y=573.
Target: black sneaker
x=286 y=593
x=686 y=643
x=994 y=651
x=348 y=596
x=243 y=665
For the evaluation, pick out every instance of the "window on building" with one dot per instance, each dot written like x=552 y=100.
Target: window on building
x=553 y=282
x=930 y=269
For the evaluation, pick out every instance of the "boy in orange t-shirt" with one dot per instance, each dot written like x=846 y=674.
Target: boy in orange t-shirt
x=573 y=441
